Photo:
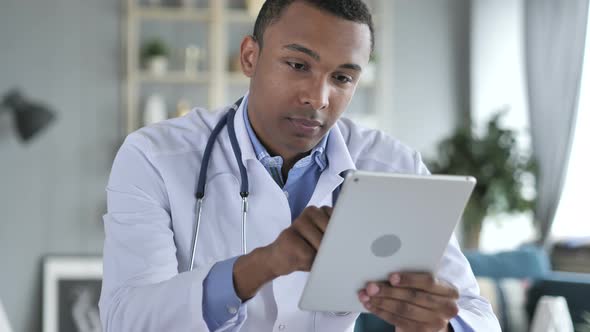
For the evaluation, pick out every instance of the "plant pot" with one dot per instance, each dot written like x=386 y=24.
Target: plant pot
x=157 y=65
x=473 y=218
x=471 y=236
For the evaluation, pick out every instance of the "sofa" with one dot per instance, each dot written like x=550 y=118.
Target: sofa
x=531 y=267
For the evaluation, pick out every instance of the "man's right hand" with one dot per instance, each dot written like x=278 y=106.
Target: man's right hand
x=293 y=250
x=296 y=246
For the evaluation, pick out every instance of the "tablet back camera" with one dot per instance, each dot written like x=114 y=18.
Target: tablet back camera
x=386 y=245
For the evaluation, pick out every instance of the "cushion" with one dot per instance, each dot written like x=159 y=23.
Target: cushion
x=527 y=262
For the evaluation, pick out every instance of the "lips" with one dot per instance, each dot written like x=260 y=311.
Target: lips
x=306 y=122
x=305 y=127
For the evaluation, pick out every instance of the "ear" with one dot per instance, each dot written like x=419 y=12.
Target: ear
x=249 y=50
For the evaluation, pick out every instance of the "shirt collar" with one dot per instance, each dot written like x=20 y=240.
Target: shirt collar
x=318 y=153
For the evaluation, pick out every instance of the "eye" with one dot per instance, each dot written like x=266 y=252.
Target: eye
x=297 y=66
x=343 y=79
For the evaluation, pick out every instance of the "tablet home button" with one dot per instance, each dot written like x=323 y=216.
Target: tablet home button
x=386 y=245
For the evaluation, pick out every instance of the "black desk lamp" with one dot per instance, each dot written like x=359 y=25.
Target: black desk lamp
x=29 y=117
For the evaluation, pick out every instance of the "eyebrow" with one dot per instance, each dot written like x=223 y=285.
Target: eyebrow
x=316 y=56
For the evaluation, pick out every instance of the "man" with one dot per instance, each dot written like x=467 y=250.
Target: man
x=304 y=61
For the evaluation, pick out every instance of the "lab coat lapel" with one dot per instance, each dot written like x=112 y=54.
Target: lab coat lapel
x=339 y=160
x=264 y=193
x=242 y=134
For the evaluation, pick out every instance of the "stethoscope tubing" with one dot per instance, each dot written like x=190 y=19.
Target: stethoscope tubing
x=227 y=119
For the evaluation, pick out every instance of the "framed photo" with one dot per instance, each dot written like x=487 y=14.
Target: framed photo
x=71 y=289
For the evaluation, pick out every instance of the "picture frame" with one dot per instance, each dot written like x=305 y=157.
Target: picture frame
x=71 y=289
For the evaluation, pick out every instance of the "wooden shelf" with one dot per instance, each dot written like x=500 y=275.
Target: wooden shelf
x=239 y=16
x=217 y=81
x=177 y=77
x=173 y=14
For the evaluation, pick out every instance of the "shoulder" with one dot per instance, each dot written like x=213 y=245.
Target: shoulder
x=374 y=150
x=177 y=135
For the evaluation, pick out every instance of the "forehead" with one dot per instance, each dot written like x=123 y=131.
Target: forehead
x=320 y=31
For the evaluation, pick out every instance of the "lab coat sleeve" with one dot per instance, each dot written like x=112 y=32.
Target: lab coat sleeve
x=142 y=289
x=475 y=312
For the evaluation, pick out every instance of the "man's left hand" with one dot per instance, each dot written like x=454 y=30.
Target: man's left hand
x=412 y=302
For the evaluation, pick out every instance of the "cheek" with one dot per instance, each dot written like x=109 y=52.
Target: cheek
x=274 y=83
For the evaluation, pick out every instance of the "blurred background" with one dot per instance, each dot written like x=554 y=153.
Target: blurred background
x=498 y=89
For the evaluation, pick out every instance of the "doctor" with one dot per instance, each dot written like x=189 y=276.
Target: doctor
x=304 y=61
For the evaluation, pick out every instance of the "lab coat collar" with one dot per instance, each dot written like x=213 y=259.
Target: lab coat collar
x=242 y=133
x=339 y=159
x=339 y=162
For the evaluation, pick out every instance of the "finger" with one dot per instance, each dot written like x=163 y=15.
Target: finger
x=309 y=232
x=302 y=252
x=400 y=322
x=408 y=310
x=424 y=281
x=327 y=210
x=420 y=298
x=318 y=217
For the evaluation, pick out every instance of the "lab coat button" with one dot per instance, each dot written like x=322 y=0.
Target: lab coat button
x=286 y=193
x=232 y=310
x=282 y=327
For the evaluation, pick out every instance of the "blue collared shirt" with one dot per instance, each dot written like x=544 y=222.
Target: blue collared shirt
x=220 y=301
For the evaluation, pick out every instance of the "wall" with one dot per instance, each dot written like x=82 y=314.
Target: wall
x=431 y=70
x=65 y=53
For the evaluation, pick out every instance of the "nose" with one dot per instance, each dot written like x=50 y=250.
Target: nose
x=316 y=94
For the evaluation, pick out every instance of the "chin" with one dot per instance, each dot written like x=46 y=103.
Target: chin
x=304 y=144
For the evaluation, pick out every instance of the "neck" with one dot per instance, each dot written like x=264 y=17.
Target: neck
x=289 y=162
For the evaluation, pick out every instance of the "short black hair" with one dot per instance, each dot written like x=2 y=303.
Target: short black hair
x=352 y=10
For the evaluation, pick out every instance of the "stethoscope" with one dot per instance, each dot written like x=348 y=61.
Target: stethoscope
x=228 y=119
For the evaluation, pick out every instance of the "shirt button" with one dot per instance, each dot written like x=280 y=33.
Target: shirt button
x=232 y=310
x=282 y=327
x=286 y=193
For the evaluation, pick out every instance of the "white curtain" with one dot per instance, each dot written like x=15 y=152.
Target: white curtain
x=4 y=325
x=554 y=36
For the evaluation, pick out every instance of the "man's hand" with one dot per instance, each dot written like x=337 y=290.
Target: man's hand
x=293 y=250
x=297 y=245
x=412 y=302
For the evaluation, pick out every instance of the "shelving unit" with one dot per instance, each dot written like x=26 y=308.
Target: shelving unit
x=215 y=27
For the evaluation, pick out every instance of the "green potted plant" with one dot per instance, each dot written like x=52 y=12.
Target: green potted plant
x=501 y=170
x=154 y=56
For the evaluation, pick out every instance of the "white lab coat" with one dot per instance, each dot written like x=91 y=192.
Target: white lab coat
x=150 y=223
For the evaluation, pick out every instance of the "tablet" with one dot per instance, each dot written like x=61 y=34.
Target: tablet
x=383 y=223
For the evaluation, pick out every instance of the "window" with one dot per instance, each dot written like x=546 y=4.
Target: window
x=571 y=219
